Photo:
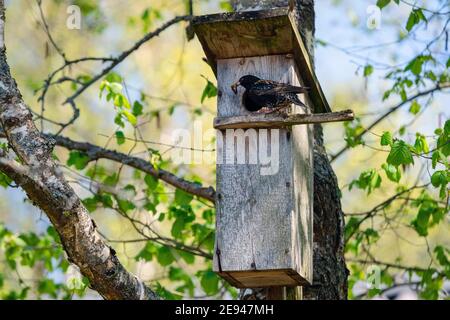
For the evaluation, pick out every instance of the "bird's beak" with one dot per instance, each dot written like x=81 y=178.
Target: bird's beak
x=235 y=86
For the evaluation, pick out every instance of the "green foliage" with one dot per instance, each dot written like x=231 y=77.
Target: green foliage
x=78 y=159
x=164 y=256
x=352 y=131
x=120 y=137
x=23 y=252
x=383 y=3
x=415 y=107
x=225 y=5
x=113 y=91
x=209 y=282
x=415 y=17
x=386 y=139
x=393 y=173
x=416 y=64
x=5 y=181
x=400 y=154
x=209 y=91
x=429 y=214
x=368 y=180
x=182 y=198
x=147 y=19
x=368 y=70
x=421 y=144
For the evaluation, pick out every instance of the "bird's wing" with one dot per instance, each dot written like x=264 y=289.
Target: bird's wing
x=263 y=87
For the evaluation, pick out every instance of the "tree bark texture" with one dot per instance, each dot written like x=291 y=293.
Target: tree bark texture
x=329 y=269
x=39 y=176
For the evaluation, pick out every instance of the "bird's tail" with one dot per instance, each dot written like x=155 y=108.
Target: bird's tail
x=297 y=90
x=295 y=100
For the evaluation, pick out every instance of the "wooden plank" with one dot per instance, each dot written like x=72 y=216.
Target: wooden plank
x=244 y=34
x=307 y=71
x=264 y=222
x=258 y=33
x=263 y=278
x=280 y=120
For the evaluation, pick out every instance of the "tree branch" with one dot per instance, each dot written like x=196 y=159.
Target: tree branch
x=44 y=184
x=95 y=152
x=438 y=87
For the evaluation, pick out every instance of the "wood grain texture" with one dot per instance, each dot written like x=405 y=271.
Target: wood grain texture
x=274 y=120
x=258 y=33
x=264 y=222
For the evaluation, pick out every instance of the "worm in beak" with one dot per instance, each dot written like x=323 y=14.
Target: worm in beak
x=235 y=86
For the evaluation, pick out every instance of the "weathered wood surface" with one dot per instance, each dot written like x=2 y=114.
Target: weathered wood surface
x=244 y=34
x=264 y=222
x=280 y=120
x=258 y=33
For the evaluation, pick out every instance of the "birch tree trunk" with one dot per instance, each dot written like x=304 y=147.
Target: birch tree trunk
x=40 y=177
x=330 y=272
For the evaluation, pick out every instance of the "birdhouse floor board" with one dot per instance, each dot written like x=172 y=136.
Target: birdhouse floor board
x=267 y=278
x=280 y=121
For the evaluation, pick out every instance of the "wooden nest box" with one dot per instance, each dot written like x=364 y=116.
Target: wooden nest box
x=265 y=190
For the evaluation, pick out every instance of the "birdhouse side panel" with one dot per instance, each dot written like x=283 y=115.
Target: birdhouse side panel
x=303 y=176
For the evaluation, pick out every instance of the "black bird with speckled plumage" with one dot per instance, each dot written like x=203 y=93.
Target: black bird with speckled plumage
x=267 y=94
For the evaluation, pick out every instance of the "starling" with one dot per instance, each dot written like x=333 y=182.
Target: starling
x=267 y=94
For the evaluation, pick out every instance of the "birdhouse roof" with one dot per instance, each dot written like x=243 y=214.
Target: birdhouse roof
x=258 y=33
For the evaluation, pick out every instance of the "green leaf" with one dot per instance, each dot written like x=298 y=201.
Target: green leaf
x=178 y=227
x=120 y=137
x=188 y=257
x=209 y=282
x=151 y=182
x=441 y=256
x=439 y=178
x=5 y=181
x=225 y=5
x=368 y=70
x=421 y=144
x=209 y=91
x=115 y=87
x=130 y=117
x=118 y=120
x=421 y=222
x=125 y=205
x=150 y=206
x=147 y=253
x=353 y=130
x=90 y=204
x=368 y=180
x=113 y=77
x=386 y=139
x=165 y=256
x=137 y=109
x=382 y=3
x=78 y=159
x=400 y=154
x=415 y=107
x=414 y=18
x=182 y=197
x=415 y=66
x=171 y=109
x=392 y=172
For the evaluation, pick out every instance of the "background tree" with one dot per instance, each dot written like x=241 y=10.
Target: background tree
x=105 y=94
